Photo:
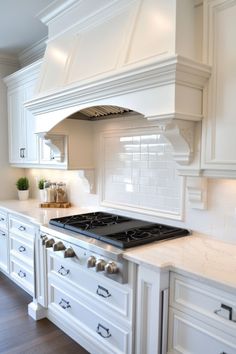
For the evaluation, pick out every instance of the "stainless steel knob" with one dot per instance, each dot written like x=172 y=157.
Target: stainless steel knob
x=91 y=262
x=44 y=238
x=111 y=268
x=49 y=243
x=69 y=252
x=100 y=265
x=59 y=246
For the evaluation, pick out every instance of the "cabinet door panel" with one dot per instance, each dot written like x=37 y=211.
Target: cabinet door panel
x=219 y=126
x=32 y=153
x=16 y=125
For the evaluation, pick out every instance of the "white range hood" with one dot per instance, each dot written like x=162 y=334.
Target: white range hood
x=136 y=54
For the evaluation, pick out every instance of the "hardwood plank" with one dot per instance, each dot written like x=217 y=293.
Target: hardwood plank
x=20 y=334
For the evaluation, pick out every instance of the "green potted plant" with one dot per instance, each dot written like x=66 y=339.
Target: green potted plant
x=41 y=184
x=22 y=185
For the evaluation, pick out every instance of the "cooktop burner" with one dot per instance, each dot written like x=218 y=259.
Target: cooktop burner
x=119 y=231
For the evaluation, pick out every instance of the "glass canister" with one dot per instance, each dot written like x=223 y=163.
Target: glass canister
x=61 y=194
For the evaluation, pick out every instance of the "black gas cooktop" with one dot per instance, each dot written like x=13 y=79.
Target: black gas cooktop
x=119 y=231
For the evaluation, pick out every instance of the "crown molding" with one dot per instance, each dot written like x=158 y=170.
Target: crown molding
x=32 y=53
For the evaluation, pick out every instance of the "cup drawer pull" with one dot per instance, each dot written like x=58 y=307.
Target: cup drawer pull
x=2 y=219
x=63 y=271
x=21 y=274
x=21 y=249
x=21 y=228
x=3 y=234
x=64 y=304
x=226 y=308
x=103 y=292
x=103 y=331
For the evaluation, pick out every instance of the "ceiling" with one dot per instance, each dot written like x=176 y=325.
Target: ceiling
x=19 y=26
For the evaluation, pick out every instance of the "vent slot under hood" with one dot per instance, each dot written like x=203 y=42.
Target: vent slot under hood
x=100 y=112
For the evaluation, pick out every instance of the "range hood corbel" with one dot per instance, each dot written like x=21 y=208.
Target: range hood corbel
x=180 y=133
x=57 y=145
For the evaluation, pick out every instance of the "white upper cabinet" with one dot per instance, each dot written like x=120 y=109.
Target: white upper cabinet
x=23 y=143
x=219 y=125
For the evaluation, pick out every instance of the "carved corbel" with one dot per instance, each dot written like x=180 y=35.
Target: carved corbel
x=180 y=134
x=57 y=144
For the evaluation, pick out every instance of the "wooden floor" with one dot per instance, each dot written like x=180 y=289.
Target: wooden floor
x=20 y=334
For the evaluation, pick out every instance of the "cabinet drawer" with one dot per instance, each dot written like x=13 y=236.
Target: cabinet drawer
x=103 y=331
x=115 y=296
x=21 y=250
x=188 y=335
x=23 y=275
x=205 y=302
x=3 y=220
x=19 y=227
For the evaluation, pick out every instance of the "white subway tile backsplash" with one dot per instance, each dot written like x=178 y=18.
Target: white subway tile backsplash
x=143 y=175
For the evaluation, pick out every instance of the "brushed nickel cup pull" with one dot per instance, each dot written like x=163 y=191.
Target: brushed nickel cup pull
x=64 y=304
x=3 y=234
x=21 y=249
x=103 y=331
x=21 y=274
x=103 y=292
x=2 y=219
x=22 y=228
x=63 y=271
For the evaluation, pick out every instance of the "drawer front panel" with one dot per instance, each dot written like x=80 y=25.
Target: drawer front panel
x=115 y=296
x=3 y=220
x=22 y=228
x=104 y=331
x=194 y=297
x=22 y=250
x=188 y=335
x=23 y=275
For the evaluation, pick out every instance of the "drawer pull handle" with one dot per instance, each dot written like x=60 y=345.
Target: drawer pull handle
x=21 y=249
x=103 y=331
x=3 y=234
x=227 y=308
x=21 y=228
x=21 y=274
x=103 y=292
x=63 y=271
x=2 y=219
x=64 y=304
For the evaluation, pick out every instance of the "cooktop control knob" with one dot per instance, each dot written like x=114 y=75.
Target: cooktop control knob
x=111 y=268
x=49 y=243
x=91 y=262
x=69 y=252
x=59 y=246
x=100 y=265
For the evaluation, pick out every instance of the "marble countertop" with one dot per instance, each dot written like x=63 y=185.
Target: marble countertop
x=30 y=209
x=197 y=255
x=202 y=257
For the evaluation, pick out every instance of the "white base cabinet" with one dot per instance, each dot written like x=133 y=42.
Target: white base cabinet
x=201 y=318
x=151 y=311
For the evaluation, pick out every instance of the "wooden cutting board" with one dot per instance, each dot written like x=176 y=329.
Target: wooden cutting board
x=55 y=205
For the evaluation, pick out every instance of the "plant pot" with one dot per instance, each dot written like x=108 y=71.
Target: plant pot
x=42 y=195
x=23 y=195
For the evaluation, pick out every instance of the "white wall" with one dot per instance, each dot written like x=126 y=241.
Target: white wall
x=8 y=175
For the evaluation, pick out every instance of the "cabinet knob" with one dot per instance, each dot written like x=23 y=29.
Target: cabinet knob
x=59 y=246
x=91 y=262
x=100 y=265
